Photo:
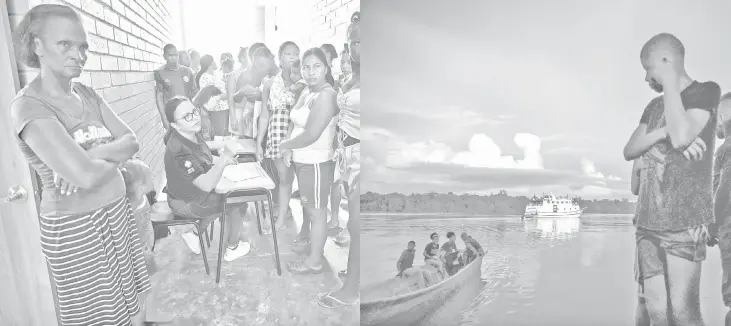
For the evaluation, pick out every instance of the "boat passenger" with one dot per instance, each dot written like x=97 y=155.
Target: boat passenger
x=450 y=253
x=431 y=254
x=473 y=248
x=406 y=269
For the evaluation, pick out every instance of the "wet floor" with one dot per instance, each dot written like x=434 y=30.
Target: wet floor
x=250 y=291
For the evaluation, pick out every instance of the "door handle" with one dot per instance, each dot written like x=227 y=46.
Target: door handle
x=15 y=194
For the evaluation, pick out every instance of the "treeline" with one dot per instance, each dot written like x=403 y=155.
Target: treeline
x=500 y=203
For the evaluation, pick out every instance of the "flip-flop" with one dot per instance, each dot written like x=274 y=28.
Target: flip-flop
x=300 y=267
x=328 y=301
x=301 y=248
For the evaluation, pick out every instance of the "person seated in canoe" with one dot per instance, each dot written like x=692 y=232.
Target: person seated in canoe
x=473 y=249
x=450 y=253
x=406 y=269
x=431 y=254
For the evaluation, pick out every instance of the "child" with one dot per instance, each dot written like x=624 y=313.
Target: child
x=137 y=178
x=431 y=254
x=406 y=269
x=295 y=75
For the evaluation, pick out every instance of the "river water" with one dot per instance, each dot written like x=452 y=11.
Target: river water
x=548 y=271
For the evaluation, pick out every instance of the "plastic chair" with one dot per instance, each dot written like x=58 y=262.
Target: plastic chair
x=179 y=220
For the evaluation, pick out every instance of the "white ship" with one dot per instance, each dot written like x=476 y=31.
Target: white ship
x=549 y=205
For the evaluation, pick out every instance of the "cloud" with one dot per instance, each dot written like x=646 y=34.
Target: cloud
x=483 y=152
x=434 y=166
x=589 y=168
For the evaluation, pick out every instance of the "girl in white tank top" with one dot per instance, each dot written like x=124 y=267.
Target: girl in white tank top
x=322 y=149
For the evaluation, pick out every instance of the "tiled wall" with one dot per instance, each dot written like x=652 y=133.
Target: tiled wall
x=126 y=39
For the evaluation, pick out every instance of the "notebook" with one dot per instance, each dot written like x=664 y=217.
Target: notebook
x=241 y=172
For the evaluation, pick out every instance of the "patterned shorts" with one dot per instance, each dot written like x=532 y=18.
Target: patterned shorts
x=277 y=132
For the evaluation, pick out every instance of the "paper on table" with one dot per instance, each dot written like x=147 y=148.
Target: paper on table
x=237 y=173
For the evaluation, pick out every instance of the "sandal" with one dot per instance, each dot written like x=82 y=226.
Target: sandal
x=328 y=301
x=301 y=247
x=300 y=267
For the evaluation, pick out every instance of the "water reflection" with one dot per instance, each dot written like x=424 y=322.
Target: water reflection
x=553 y=227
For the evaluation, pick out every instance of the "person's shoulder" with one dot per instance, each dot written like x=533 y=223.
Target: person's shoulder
x=187 y=70
x=85 y=89
x=709 y=87
x=26 y=99
x=330 y=91
x=174 y=145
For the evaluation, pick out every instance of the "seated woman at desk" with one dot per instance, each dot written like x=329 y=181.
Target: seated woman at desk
x=193 y=173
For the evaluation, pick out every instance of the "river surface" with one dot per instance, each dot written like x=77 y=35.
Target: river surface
x=550 y=271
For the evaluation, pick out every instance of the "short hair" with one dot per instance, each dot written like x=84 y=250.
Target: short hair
x=167 y=47
x=31 y=26
x=450 y=234
x=412 y=242
x=329 y=48
x=664 y=39
x=433 y=235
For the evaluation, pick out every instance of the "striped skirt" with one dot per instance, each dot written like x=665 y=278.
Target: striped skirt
x=97 y=264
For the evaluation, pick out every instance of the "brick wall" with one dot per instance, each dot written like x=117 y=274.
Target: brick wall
x=309 y=22
x=125 y=44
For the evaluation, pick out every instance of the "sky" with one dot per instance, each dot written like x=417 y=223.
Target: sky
x=523 y=95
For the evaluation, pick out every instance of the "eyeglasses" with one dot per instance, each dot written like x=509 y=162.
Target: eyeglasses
x=189 y=116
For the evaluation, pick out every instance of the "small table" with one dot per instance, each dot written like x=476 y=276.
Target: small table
x=246 y=148
x=256 y=188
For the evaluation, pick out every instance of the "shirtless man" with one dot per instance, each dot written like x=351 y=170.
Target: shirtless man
x=247 y=87
x=721 y=230
x=675 y=202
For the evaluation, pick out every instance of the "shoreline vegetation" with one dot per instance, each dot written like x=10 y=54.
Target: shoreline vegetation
x=493 y=204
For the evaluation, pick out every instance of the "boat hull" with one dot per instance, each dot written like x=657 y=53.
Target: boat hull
x=539 y=215
x=415 y=307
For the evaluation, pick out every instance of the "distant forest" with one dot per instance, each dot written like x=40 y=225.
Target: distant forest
x=500 y=203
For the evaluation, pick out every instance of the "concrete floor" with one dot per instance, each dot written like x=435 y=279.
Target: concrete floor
x=250 y=291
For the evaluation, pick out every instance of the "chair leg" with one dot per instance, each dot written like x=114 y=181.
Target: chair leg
x=221 y=245
x=203 y=249
x=258 y=220
x=274 y=234
x=154 y=242
x=208 y=240
x=213 y=227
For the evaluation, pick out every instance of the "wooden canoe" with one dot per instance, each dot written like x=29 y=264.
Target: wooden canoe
x=414 y=307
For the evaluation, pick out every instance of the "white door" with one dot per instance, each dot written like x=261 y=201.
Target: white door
x=26 y=294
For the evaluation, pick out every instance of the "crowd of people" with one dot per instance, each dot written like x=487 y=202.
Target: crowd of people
x=683 y=204
x=95 y=224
